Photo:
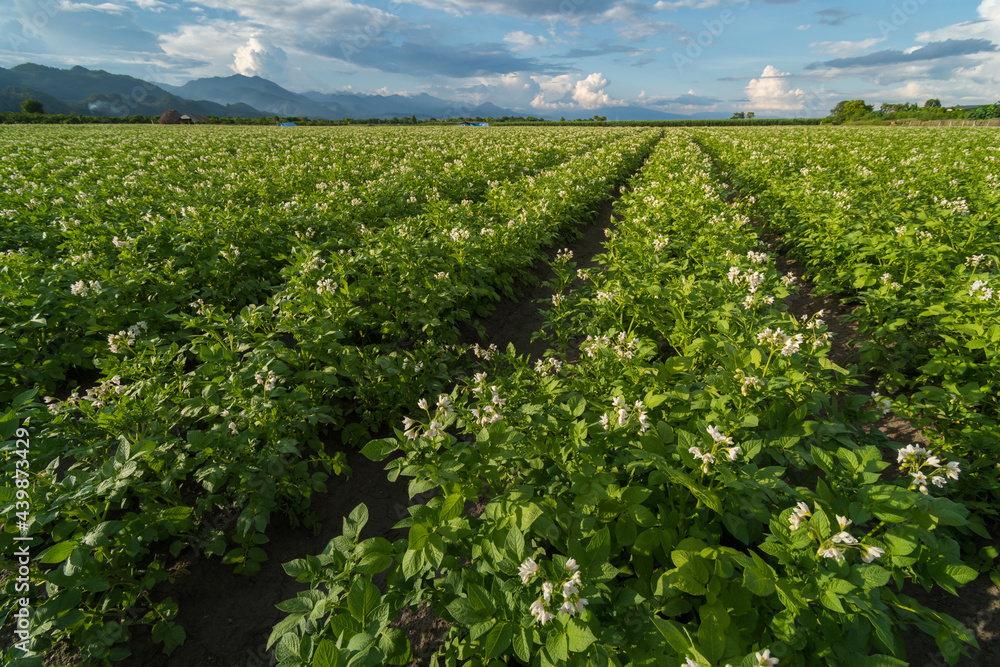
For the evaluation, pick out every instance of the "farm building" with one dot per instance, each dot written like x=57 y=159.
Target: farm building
x=172 y=117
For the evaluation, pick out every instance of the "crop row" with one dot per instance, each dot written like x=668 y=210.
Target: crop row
x=206 y=407
x=904 y=226
x=105 y=229
x=670 y=484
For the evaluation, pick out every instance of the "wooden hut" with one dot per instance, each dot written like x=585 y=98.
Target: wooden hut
x=170 y=117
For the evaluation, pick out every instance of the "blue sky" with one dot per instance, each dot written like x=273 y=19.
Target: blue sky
x=773 y=57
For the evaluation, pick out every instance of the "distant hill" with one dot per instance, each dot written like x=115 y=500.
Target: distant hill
x=256 y=92
x=99 y=93
x=269 y=96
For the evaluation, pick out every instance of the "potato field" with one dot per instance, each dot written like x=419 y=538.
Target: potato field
x=201 y=327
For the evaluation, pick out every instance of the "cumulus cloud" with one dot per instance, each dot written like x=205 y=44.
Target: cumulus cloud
x=771 y=92
x=259 y=57
x=589 y=93
x=567 y=92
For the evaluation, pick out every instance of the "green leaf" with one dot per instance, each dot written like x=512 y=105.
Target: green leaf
x=672 y=633
x=379 y=450
x=57 y=553
x=579 y=635
x=361 y=642
x=461 y=610
x=711 y=639
x=522 y=644
x=498 y=639
x=557 y=645
x=515 y=544
x=875 y=576
x=452 y=507
x=707 y=497
x=357 y=519
x=326 y=655
x=362 y=598
x=99 y=535
x=758 y=581
x=831 y=601
x=480 y=599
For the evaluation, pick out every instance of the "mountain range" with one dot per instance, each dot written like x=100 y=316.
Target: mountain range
x=98 y=93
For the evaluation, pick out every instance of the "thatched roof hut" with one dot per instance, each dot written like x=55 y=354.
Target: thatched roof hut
x=170 y=117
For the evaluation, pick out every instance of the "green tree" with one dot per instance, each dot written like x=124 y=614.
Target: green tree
x=932 y=103
x=738 y=115
x=847 y=110
x=750 y=114
x=32 y=106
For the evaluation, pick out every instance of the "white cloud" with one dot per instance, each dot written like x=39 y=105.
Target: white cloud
x=771 y=92
x=522 y=40
x=104 y=7
x=845 y=48
x=566 y=92
x=589 y=93
x=686 y=4
x=259 y=57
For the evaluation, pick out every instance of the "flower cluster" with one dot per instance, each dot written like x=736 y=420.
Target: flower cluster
x=981 y=291
x=623 y=346
x=564 y=255
x=80 y=288
x=748 y=382
x=813 y=325
x=435 y=425
x=913 y=458
x=550 y=366
x=488 y=411
x=722 y=446
x=572 y=602
x=660 y=243
x=976 y=260
x=458 y=234
x=269 y=380
x=326 y=286
x=125 y=338
x=882 y=404
x=763 y=658
x=957 y=206
x=835 y=546
x=232 y=253
x=98 y=395
x=777 y=338
x=621 y=416
x=485 y=353
x=752 y=279
x=887 y=279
